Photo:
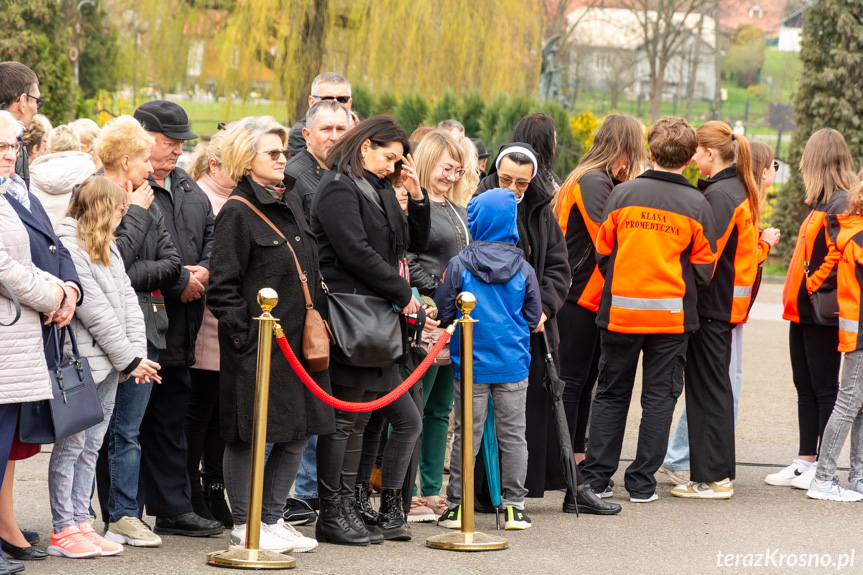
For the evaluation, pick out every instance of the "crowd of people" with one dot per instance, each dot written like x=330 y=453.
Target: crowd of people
x=153 y=270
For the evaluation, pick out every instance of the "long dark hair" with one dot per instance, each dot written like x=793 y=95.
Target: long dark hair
x=538 y=131
x=380 y=131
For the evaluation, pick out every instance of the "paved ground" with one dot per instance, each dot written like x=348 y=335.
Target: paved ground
x=757 y=527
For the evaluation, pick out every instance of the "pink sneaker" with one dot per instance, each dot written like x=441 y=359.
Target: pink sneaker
x=107 y=546
x=71 y=543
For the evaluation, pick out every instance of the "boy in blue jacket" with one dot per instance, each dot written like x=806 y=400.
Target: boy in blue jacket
x=508 y=308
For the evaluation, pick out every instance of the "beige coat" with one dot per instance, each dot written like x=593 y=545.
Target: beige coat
x=24 y=374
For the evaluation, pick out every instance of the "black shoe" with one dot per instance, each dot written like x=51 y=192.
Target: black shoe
x=482 y=504
x=334 y=527
x=392 y=522
x=364 y=506
x=298 y=512
x=23 y=553
x=9 y=566
x=214 y=496
x=352 y=514
x=188 y=524
x=199 y=507
x=589 y=502
x=31 y=536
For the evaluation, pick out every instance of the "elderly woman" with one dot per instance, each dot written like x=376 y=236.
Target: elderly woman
x=25 y=377
x=88 y=132
x=249 y=254
x=54 y=175
x=364 y=237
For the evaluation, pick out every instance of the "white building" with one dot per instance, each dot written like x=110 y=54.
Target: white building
x=790 y=31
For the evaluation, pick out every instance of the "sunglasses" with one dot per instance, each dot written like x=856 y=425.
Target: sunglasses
x=776 y=166
x=339 y=99
x=505 y=181
x=39 y=101
x=274 y=154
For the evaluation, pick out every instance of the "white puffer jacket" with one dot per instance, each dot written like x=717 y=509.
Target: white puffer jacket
x=108 y=324
x=24 y=375
x=54 y=176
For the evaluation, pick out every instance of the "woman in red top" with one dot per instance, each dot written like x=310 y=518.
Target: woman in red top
x=827 y=175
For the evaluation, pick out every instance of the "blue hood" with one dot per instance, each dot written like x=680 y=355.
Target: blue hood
x=491 y=217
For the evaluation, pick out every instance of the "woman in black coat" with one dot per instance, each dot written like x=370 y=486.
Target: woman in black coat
x=249 y=255
x=363 y=237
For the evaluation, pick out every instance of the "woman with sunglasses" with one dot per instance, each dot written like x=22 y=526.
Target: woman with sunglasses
x=110 y=331
x=250 y=253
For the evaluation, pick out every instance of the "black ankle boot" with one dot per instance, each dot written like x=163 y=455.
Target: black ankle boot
x=364 y=506
x=214 y=496
x=392 y=522
x=333 y=527
x=199 y=505
x=352 y=514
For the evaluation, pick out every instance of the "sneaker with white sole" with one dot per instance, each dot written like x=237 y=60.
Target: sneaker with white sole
x=451 y=519
x=132 y=531
x=107 y=546
x=289 y=533
x=804 y=480
x=784 y=477
x=676 y=476
x=710 y=490
x=420 y=512
x=856 y=485
x=516 y=519
x=70 y=542
x=653 y=497
x=831 y=491
x=267 y=540
x=605 y=494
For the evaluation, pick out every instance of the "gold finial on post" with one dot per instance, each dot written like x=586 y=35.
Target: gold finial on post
x=466 y=539
x=251 y=556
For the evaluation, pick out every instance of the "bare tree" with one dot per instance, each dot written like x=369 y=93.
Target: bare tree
x=694 y=62
x=622 y=66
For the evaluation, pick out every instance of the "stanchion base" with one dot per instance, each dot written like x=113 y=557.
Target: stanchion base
x=459 y=541
x=242 y=558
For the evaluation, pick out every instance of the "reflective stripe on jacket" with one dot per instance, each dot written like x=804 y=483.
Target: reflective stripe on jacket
x=847 y=234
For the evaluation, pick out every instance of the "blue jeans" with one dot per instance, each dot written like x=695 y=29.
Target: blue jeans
x=677 y=455
x=124 y=451
x=306 y=483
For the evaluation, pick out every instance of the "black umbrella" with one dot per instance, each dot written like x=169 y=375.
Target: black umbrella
x=554 y=387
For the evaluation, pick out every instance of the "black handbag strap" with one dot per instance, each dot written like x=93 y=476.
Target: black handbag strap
x=57 y=337
x=15 y=302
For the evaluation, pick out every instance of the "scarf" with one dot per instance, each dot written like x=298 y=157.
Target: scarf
x=276 y=191
x=384 y=199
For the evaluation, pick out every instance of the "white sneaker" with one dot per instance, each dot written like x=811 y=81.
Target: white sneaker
x=804 y=480
x=268 y=540
x=784 y=477
x=653 y=497
x=289 y=534
x=832 y=491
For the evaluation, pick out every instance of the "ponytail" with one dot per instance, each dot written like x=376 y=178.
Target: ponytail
x=733 y=149
x=744 y=172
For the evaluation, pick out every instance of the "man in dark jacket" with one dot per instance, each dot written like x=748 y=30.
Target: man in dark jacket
x=20 y=96
x=188 y=215
x=325 y=124
x=326 y=86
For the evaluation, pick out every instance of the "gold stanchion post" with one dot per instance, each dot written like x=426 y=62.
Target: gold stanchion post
x=250 y=556
x=467 y=539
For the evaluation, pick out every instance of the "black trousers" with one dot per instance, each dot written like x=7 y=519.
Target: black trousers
x=203 y=436
x=815 y=363
x=163 y=487
x=662 y=382
x=578 y=354
x=710 y=402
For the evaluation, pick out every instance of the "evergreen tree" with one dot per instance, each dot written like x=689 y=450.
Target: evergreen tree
x=830 y=95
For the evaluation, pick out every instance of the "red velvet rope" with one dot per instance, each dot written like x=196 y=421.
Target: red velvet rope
x=350 y=405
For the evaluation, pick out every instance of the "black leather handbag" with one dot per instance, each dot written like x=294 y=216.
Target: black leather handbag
x=75 y=405
x=366 y=330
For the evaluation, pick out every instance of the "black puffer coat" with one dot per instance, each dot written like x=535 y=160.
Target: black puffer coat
x=152 y=263
x=249 y=255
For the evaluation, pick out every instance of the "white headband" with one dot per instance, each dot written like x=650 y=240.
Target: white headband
x=518 y=150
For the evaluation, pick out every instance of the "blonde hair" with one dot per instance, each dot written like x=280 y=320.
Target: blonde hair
x=40 y=128
x=855 y=203
x=762 y=157
x=93 y=205
x=64 y=139
x=428 y=154
x=826 y=166
x=733 y=149
x=122 y=136
x=88 y=130
x=619 y=136
x=240 y=141
x=467 y=184
x=199 y=163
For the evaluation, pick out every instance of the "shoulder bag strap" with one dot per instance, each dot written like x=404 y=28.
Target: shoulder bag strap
x=303 y=278
x=805 y=254
x=461 y=221
x=15 y=302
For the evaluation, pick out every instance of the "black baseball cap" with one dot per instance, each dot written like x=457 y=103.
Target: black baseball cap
x=165 y=117
x=480 y=148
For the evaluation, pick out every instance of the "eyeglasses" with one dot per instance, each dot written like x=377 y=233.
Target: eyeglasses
x=505 y=181
x=340 y=99
x=274 y=154
x=450 y=171
x=122 y=208
x=776 y=166
x=39 y=101
x=5 y=147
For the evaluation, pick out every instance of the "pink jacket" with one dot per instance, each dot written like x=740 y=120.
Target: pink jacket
x=207 y=343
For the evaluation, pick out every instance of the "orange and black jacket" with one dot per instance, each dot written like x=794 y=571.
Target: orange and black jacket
x=813 y=243
x=655 y=249
x=846 y=233
x=737 y=251
x=582 y=204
